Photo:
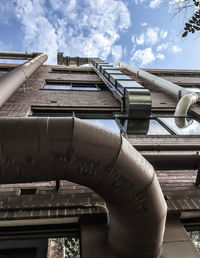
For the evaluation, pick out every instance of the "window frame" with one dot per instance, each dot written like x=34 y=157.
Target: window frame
x=71 y=71
x=84 y=113
x=95 y=86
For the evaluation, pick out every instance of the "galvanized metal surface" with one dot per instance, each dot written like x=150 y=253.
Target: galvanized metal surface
x=39 y=149
x=18 y=55
x=11 y=81
x=138 y=103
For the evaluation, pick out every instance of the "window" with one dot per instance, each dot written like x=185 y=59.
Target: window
x=195 y=236
x=176 y=74
x=192 y=225
x=5 y=69
x=109 y=124
x=103 y=118
x=144 y=127
x=73 y=86
x=159 y=123
x=183 y=126
x=178 y=125
x=40 y=240
x=194 y=88
x=69 y=246
x=66 y=71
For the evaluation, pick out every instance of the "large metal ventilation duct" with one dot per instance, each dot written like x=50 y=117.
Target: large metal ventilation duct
x=36 y=149
x=11 y=81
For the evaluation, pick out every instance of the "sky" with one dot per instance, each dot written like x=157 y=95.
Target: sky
x=143 y=33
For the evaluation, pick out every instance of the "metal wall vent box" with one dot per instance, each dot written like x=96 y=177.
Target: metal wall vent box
x=97 y=60
x=106 y=67
x=115 y=77
x=122 y=85
x=97 y=63
x=100 y=64
x=112 y=71
x=138 y=102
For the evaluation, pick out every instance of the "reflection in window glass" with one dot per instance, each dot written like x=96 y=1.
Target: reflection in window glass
x=70 y=86
x=58 y=87
x=156 y=129
x=145 y=127
x=195 y=236
x=83 y=88
x=66 y=247
x=192 y=127
x=109 y=124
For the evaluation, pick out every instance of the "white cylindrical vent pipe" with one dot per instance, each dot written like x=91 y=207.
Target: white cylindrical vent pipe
x=187 y=98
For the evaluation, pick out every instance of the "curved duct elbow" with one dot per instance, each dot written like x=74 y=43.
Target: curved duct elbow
x=11 y=81
x=35 y=149
x=184 y=103
x=182 y=108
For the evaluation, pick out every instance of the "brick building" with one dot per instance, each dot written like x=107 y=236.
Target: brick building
x=45 y=107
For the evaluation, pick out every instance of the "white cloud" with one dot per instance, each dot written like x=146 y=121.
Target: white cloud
x=140 y=40
x=163 y=34
x=160 y=56
x=133 y=38
x=149 y=37
x=40 y=34
x=89 y=28
x=144 y=56
x=155 y=3
x=152 y=36
x=117 y=52
x=4 y=47
x=175 y=49
x=144 y=24
x=162 y=47
x=138 y=1
x=6 y=8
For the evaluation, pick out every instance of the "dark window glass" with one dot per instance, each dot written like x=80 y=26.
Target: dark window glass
x=177 y=74
x=51 y=113
x=72 y=71
x=5 y=69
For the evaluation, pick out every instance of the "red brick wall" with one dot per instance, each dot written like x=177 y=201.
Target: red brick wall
x=22 y=100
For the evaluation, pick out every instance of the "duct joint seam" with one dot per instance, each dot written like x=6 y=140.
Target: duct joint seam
x=19 y=68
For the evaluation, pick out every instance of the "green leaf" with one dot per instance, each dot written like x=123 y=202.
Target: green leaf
x=194 y=19
x=188 y=24
x=196 y=27
x=185 y=34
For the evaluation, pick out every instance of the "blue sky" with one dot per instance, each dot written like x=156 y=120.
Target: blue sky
x=139 y=32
